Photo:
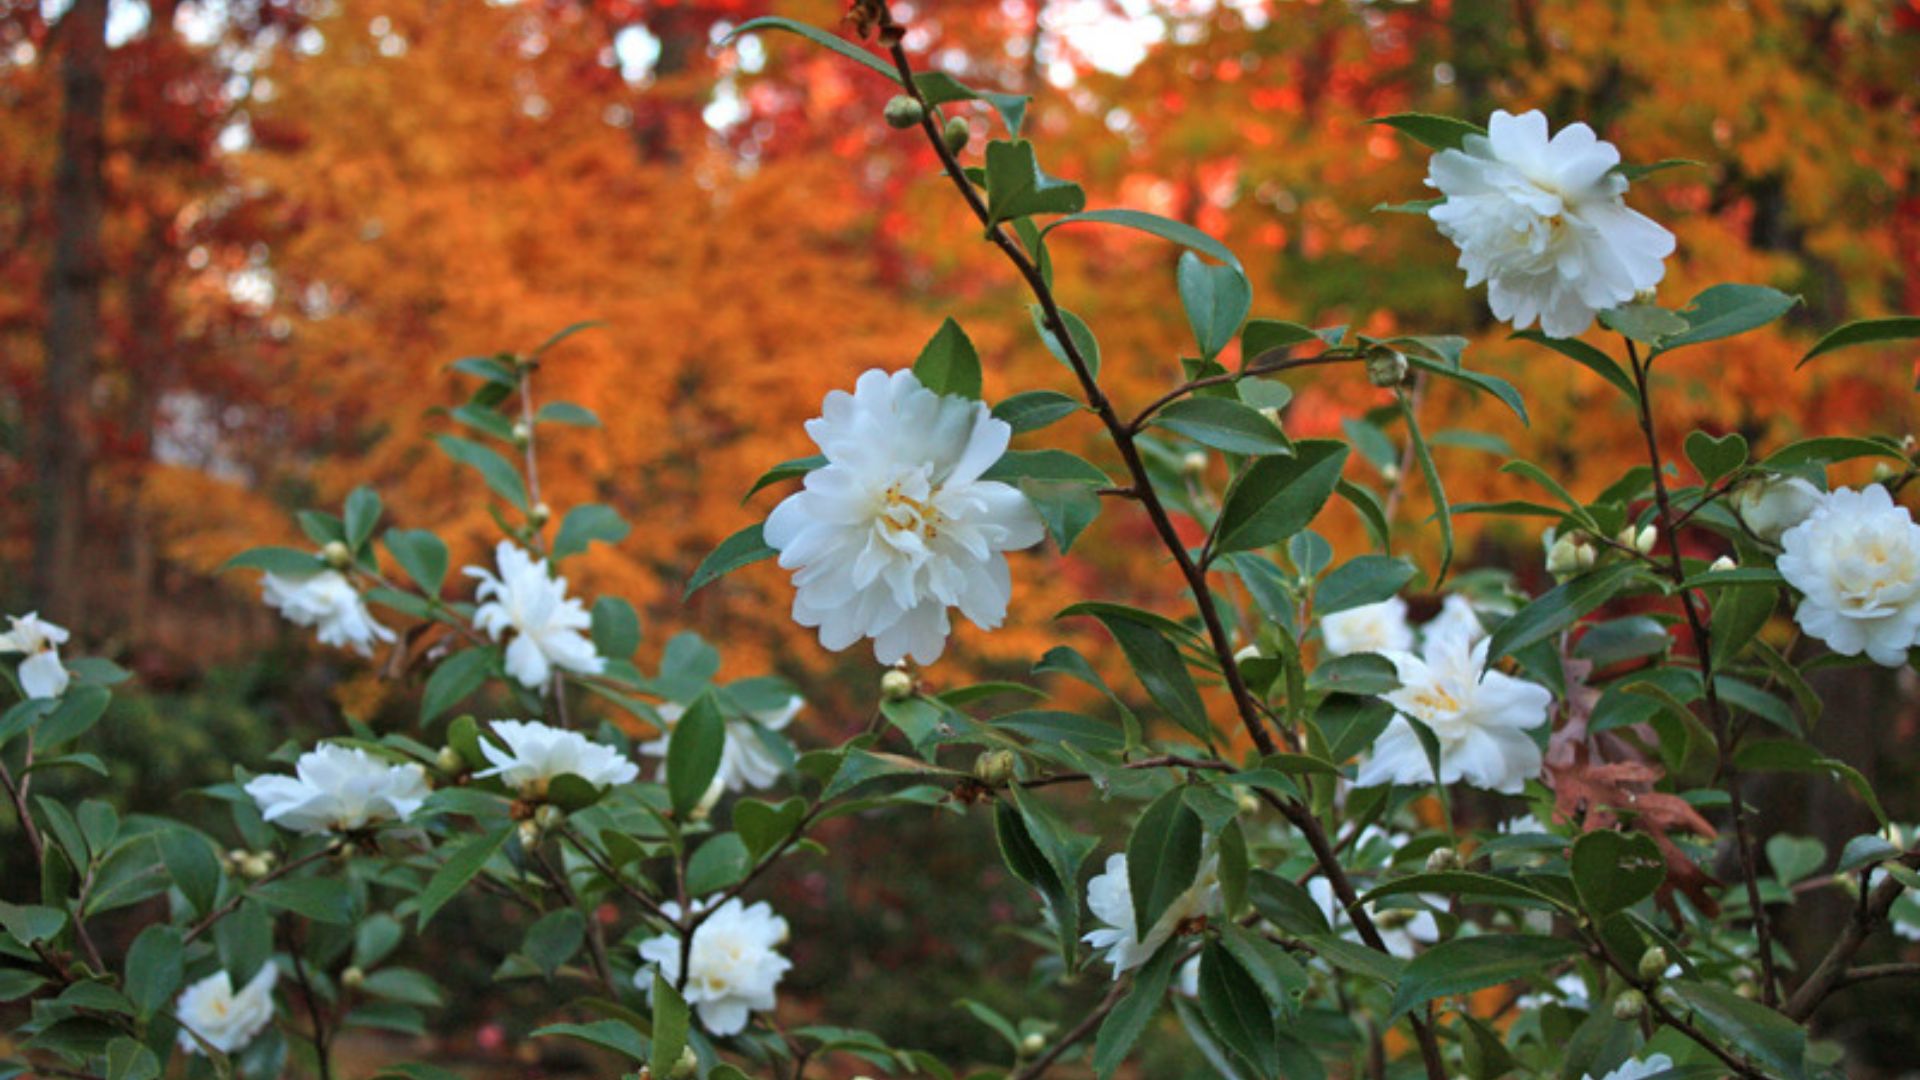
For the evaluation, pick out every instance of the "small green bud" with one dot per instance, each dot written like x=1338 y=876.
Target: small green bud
x=540 y=514
x=904 y=112
x=1882 y=472
x=1653 y=963
x=956 y=134
x=353 y=978
x=896 y=685
x=1032 y=1043
x=450 y=761
x=337 y=555
x=687 y=1066
x=1194 y=464
x=529 y=835
x=1386 y=367
x=994 y=767
x=1629 y=1005
x=1441 y=860
x=255 y=867
x=549 y=817
x=522 y=434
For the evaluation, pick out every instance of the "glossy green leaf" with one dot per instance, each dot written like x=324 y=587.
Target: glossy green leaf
x=1276 y=497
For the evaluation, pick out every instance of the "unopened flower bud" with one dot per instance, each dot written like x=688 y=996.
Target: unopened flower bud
x=709 y=799
x=549 y=817
x=254 y=867
x=1882 y=472
x=994 y=767
x=1246 y=653
x=1386 y=367
x=230 y=860
x=1653 y=963
x=337 y=554
x=1032 y=1043
x=1441 y=860
x=1194 y=464
x=1722 y=564
x=1586 y=554
x=450 y=761
x=522 y=434
x=1272 y=413
x=1563 y=558
x=1629 y=1005
x=1772 y=505
x=1246 y=800
x=903 y=112
x=1625 y=536
x=1647 y=537
x=529 y=834
x=540 y=514
x=687 y=1066
x=956 y=134
x=1390 y=473
x=1747 y=990
x=896 y=685
x=353 y=978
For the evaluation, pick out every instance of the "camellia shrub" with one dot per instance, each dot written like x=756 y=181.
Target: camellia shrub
x=1293 y=893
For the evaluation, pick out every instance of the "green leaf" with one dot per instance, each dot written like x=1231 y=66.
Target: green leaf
x=786 y=470
x=1559 y=608
x=586 y=523
x=192 y=865
x=1615 y=870
x=1083 y=340
x=1463 y=965
x=1035 y=409
x=363 y=513
x=1217 y=299
x=1434 y=132
x=1237 y=1010
x=1047 y=465
x=1365 y=579
x=375 y=938
x=743 y=548
x=693 y=753
x=939 y=88
x=1165 y=228
x=563 y=334
x=1757 y=1031
x=1416 y=206
x=1066 y=508
x=615 y=1035
x=949 y=364
x=1027 y=863
x=566 y=412
x=1163 y=857
x=553 y=939
x=1646 y=323
x=616 y=628
x=818 y=37
x=1223 y=424
x=422 y=555
x=1442 y=512
x=1725 y=310
x=1716 y=457
x=1635 y=173
x=1863 y=851
x=29 y=923
x=1016 y=187
x=488 y=368
x=1864 y=332
x=466 y=860
x=1828 y=449
x=406 y=986
x=453 y=679
x=79 y=709
x=1794 y=857
x=287 y=562
x=129 y=1060
x=1739 y=614
x=1277 y=497
x=1263 y=336
x=499 y=474
x=1492 y=384
x=763 y=825
x=1129 y=1019
x=718 y=863
x=1586 y=356
x=321 y=899
x=670 y=1021
x=1158 y=666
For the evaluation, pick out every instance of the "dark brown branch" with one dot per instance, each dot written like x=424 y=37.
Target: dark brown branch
x=1831 y=973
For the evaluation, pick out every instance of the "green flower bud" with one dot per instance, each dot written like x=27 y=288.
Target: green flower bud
x=353 y=978
x=529 y=835
x=687 y=1066
x=450 y=761
x=904 y=112
x=540 y=514
x=549 y=817
x=1441 y=860
x=956 y=134
x=1386 y=367
x=1032 y=1043
x=337 y=555
x=522 y=434
x=994 y=767
x=896 y=685
x=1629 y=1005
x=1653 y=963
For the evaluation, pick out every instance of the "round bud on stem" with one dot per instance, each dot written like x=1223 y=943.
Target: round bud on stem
x=1723 y=563
x=1647 y=537
x=1194 y=464
x=529 y=834
x=1386 y=367
x=1563 y=558
x=1441 y=860
x=687 y=1066
x=353 y=978
x=522 y=433
x=994 y=768
x=337 y=555
x=1882 y=472
x=904 y=112
x=254 y=867
x=540 y=514
x=896 y=685
x=1032 y=1043
x=1653 y=963
x=1629 y=1005
x=956 y=134
x=549 y=817
x=1587 y=555
x=450 y=761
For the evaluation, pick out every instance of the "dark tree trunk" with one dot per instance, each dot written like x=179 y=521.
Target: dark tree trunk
x=61 y=442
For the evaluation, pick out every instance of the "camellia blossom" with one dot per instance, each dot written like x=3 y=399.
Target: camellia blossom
x=745 y=760
x=1110 y=899
x=1856 y=562
x=898 y=526
x=327 y=602
x=733 y=965
x=1402 y=930
x=42 y=675
x=1772 y=506
x=1480 y=720
x=1543 y=223
x=227 y=1020
x=339 y=789
x=1457 y=616
x=1635 y=1069
x=549 y=626
x=1370 y=628
x=536 y=753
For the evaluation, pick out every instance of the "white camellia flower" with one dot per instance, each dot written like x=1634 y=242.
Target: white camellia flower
x=1370 y=628
x=1402 y=930
x=327 y=602
x=42 y=675
x=339 y=789
x=1775 y=504
x=898 y=527
x=732 y=968
x=1569 y=990
x=1542 y=222
x=549 y=627
x=1481 y=721
x=1856 y=562
x=228 y=1021
x=1457 y=616
x=536 y=753
x=1635 y=1069
x=745 y=761
x=1110 y=899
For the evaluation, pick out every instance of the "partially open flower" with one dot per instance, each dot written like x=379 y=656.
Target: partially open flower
x=226 y=1019
x=1773 y=505
x=339 y=789
x=328 y=602
x=42 y=675
x=537 y=753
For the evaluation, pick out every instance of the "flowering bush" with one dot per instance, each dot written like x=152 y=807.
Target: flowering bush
x=1295 y=888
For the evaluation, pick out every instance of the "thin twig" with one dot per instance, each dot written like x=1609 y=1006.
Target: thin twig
x=1831 y=973
x=237 y=898
x=1074 y=1034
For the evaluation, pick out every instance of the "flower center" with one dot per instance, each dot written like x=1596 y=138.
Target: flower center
x=1435 y=700
x=901 y=512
